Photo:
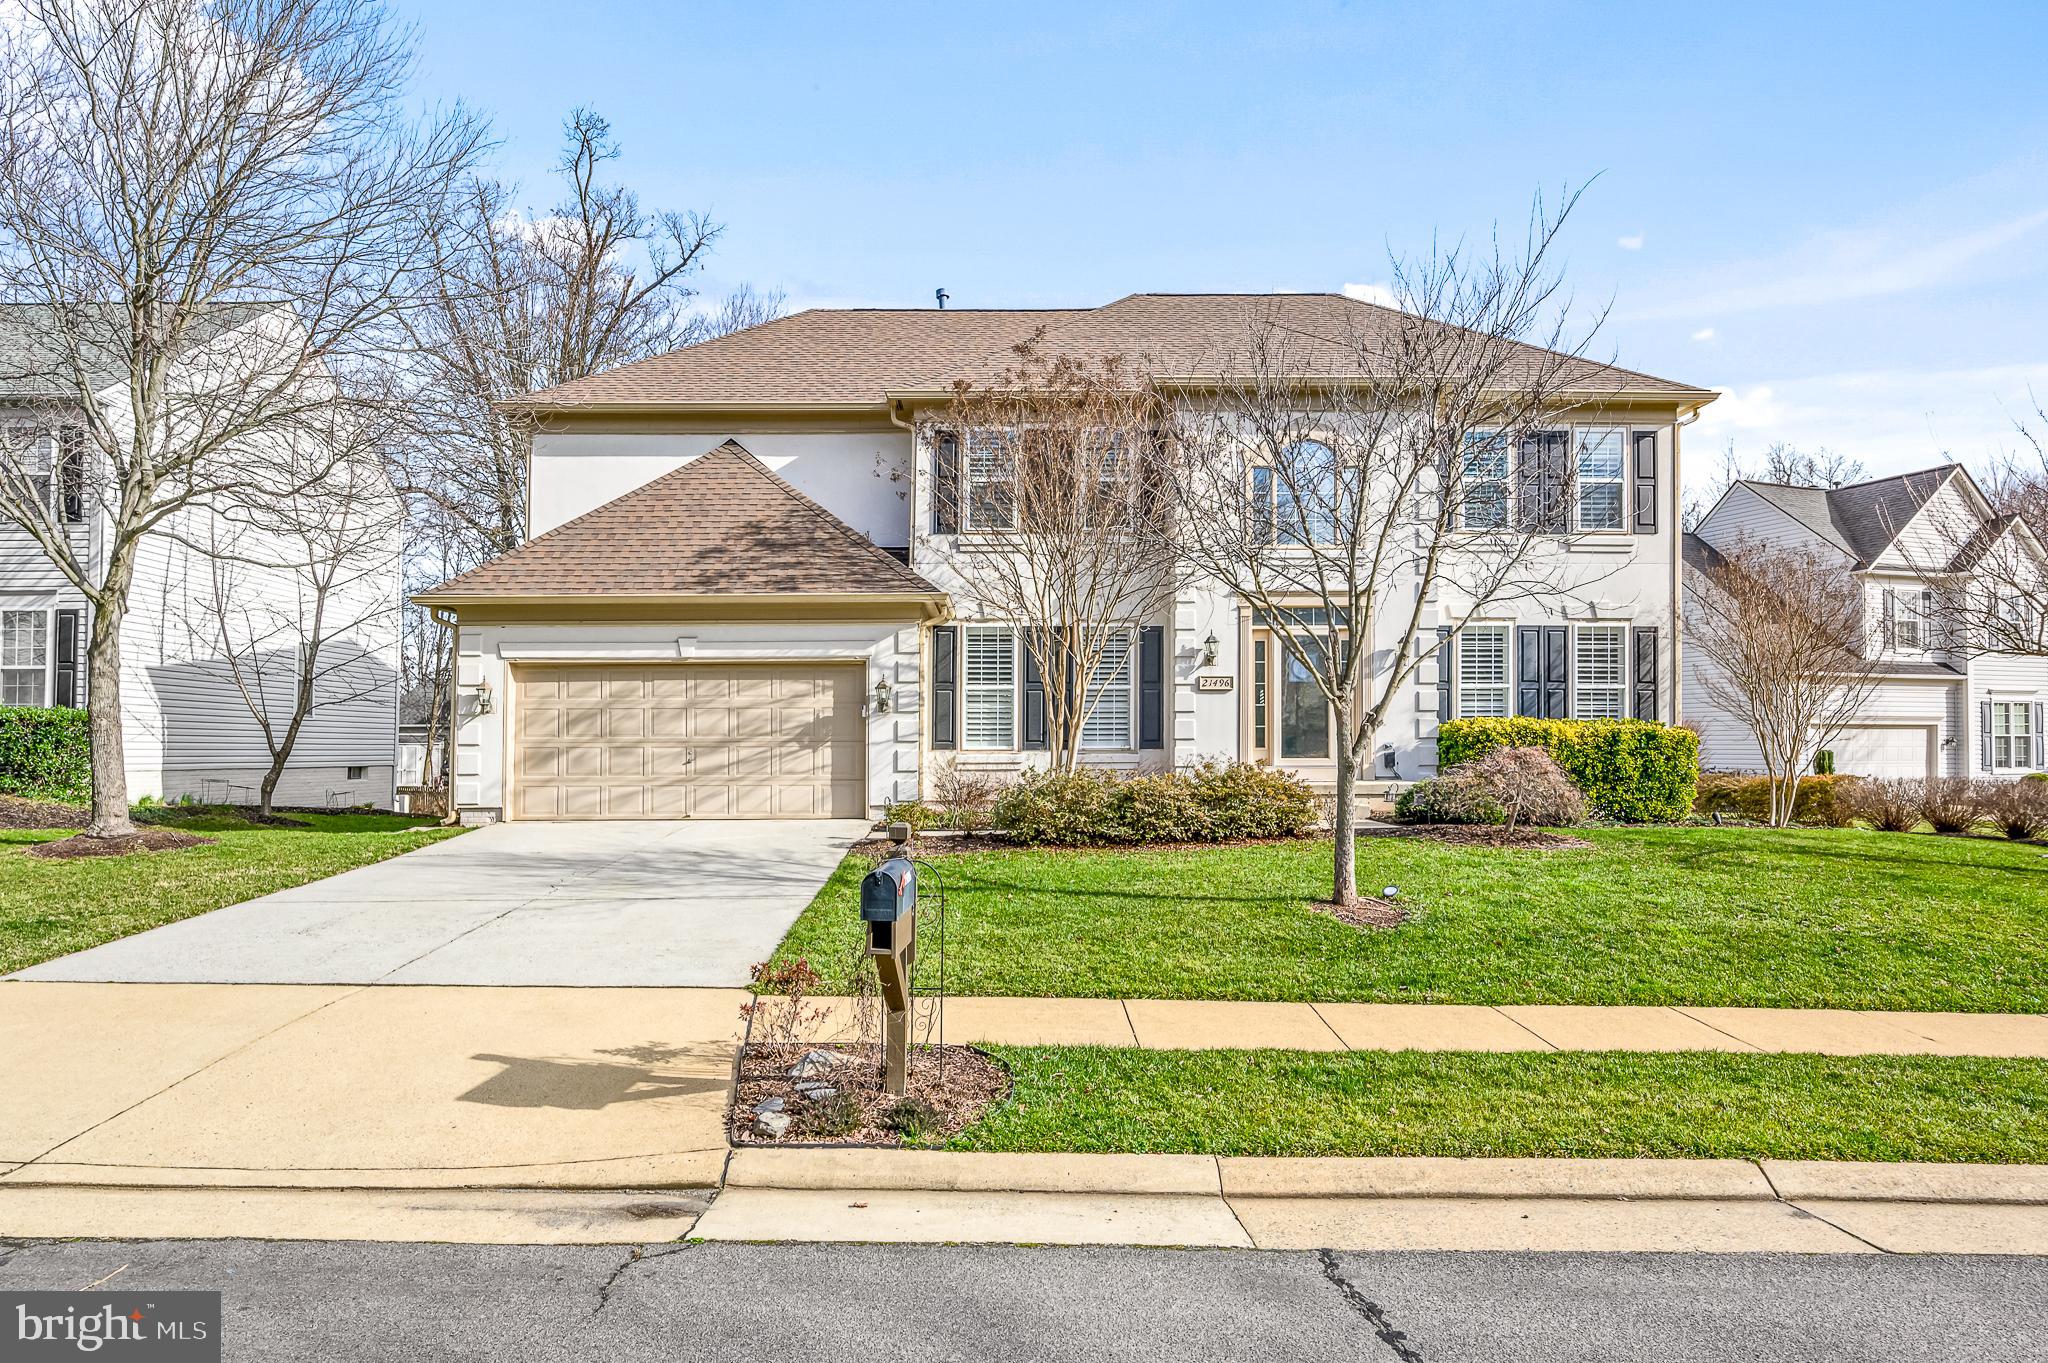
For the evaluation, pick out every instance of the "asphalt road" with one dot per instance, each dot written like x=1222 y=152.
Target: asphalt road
x=821 y=1303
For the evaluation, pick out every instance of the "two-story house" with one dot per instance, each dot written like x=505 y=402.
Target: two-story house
x=743 y=594
x=188 y=730
x=1946 y=704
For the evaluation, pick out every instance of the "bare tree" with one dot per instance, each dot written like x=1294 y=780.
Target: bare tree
x=1779 y=640
x=1783 y=463
x=1052 y=470
x=297 y=610
x=168 y=172
x=1334 y=481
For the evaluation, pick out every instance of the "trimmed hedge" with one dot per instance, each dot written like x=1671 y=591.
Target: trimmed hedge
x=45 y=753
x=1822 y=800
x=1633 y=770
x=1210 y=802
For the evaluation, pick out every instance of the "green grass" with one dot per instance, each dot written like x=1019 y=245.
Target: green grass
x=1838 y=918
x=50 y=908
x=1596 y=1104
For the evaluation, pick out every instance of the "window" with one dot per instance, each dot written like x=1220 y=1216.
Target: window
x=24 y=656
x=1259 y=708
x=1484 y=482
x=1106 y=707
x=990 y=707
x=28 y=452
x=358 y=773
x=1482 y=671
x=1599 y=478
x=2012 y=734
x=991 y=481
x=1909 y=619
x=1599 y=677
x=1301 y=489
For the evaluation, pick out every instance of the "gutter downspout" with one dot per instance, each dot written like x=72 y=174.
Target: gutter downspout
x=1678 y=571
x=446 y=617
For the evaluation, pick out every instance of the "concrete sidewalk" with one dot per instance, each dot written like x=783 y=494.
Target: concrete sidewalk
x=1173 y=1024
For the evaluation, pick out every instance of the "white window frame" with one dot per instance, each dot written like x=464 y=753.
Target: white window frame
x=1098 y=685
x=1582 y=687
x=2016 y=743
x=1910 y=603
x=969 y=689
x=46 y=670
x=1466 y=690
x=973 y=447
x=1501 y=483
x=1581 y=437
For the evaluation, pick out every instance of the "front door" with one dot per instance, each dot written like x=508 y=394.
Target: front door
x=1291 y=722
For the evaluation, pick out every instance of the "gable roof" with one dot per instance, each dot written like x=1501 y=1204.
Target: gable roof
x=34 y=363
x=1861 y=519
x=721 y=525
x=862 y=357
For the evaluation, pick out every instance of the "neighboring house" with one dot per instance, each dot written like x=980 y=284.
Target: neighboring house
x=188 y=732
x=742 y=600
x=1944 y=706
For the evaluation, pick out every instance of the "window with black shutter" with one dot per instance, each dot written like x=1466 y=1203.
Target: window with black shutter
x=1543 y=671
x=945 y=687
x=66 y=691
x=1543 y=482
x=1645 y=644
x=1152 y=687
x=1031 y=699
x=1645 y=443
x=945 y=483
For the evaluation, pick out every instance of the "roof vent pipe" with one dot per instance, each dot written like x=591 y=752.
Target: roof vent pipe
x=941 y=295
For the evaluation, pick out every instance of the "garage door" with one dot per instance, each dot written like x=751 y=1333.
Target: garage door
x=1885 y=750
x=689 y=740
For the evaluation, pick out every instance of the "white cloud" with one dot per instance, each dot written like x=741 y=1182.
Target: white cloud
x=1634 y=243
x=1891 y=420
x=1382 y=294
x=1704 y=334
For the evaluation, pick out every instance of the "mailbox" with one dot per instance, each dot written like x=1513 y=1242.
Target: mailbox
x=888 y=909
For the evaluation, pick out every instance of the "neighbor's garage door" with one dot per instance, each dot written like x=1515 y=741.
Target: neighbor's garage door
x=689 y=740
x=1885 y=750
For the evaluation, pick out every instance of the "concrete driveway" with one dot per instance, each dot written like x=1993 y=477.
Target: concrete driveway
x=656 y=903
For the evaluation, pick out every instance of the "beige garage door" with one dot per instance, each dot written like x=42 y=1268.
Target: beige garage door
x=1885 y=750
x=689 y=740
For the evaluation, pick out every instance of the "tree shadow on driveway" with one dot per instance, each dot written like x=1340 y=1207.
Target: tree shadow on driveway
x=590 y=1085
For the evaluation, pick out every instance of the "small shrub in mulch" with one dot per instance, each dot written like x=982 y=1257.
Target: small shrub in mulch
x=843 y=1103
x=142 y=840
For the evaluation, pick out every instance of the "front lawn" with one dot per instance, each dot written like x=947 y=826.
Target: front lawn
x=1693 y=1105
x=54 y=907
x=1837 y=918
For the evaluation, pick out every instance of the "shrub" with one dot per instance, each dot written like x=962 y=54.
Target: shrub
x=1821 y=799
x=1953 y=804
x=1628 y=769
x=1890 y=804
x=916 y=813
x=2019 y=808
x=45 y=753
x=1214 y=801
x=965 y=796
x=1507 y=786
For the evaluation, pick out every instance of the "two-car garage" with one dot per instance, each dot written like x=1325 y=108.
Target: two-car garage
x=713 y=740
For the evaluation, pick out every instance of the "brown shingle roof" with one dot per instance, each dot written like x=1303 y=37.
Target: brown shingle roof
x=860 y=356
x=720 y=525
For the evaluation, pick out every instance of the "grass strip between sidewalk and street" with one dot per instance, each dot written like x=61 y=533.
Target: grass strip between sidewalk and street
x=1610 y=1104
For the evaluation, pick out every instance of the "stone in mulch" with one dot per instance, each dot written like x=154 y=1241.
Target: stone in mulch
x=142 y=840
x=797 y=1094
x=1477 y=835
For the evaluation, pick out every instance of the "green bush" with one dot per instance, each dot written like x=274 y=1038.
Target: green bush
x=1628 y=769
x=1822 y=800
x=1211 y=802
x=916 y=813
x=45 y=753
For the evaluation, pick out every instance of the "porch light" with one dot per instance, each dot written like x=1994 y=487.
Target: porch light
x=483 y=697
x=882 y=696
x=1209 y=648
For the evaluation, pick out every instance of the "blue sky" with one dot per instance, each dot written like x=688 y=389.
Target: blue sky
x=1838 y=214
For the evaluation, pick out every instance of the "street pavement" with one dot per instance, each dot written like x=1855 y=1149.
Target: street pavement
x=821 y=1303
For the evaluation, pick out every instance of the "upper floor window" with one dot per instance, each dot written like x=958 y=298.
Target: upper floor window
x=1484 y=482
x=1547 y=482
x=1912 y=625
x=1298 y=498
x=991 y=468
x=53 y=461
x=1599 y=478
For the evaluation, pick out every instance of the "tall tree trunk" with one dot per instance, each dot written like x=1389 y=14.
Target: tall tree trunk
x=1344 y=826
x=103 y=714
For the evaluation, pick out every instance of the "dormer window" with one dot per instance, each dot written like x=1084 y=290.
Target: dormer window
x=1912 y=630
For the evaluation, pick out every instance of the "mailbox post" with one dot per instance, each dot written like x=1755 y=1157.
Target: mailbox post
x=888 y=909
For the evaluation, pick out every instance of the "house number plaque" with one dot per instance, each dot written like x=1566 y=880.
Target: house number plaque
x=1214 y=682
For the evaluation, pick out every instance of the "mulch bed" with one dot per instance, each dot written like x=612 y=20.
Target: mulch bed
x=1478 y=835
x=949 y=1086
x=142 y=840
x=1460 y=835
x=16 y=812
x=1369 y=912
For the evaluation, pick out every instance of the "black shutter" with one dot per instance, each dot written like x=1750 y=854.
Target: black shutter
x=1031 y=726
x=945 y=483
x=1152 y=686
x=1646 y=481
x=1645 y=641
x=1556 y=671
x=67 y=658
x=1529 y=670
x=1543 y=482
x=1529 y=481
x=945 y=687
x=70 y=474
x=1443 y=673
x=1984 y=735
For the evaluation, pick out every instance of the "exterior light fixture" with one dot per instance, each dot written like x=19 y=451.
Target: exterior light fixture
x=483 y=697
x=1209 y=648
x=882 y=694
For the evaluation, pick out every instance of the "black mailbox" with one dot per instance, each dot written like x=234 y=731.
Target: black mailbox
x=889 y=892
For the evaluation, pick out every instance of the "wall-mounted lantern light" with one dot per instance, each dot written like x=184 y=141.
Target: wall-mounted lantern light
x=882 y=694
x=483 y=697
x=1209 y=648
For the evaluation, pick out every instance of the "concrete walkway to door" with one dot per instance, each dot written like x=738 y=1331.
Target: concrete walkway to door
x=588 y=904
